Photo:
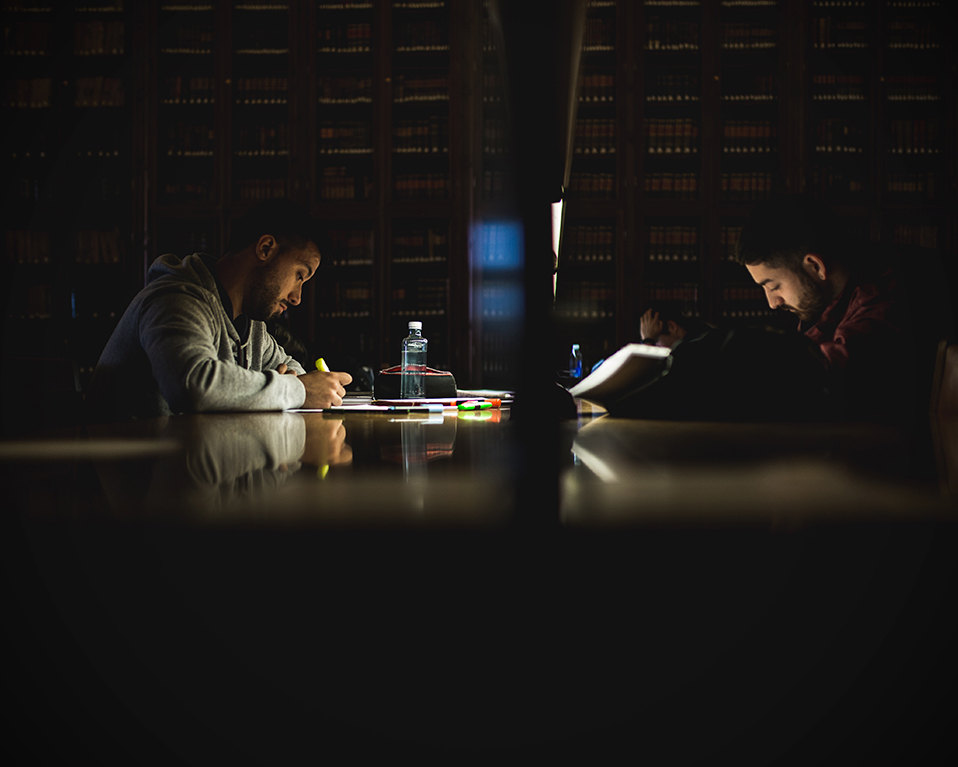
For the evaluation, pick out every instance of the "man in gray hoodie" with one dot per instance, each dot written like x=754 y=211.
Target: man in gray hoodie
x=195 y=339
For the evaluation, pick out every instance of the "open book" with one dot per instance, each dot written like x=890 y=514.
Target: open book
x=621 y=372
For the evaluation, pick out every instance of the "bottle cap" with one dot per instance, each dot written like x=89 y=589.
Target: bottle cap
x=415 y=326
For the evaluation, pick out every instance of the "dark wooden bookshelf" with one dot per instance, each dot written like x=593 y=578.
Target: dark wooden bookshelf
x=387 y=120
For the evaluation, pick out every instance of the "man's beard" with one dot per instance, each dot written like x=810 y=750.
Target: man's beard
x=261 y=302
x=815 y=296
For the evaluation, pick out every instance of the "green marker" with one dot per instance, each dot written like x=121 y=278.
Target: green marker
x=321 y=365
x=475 y=405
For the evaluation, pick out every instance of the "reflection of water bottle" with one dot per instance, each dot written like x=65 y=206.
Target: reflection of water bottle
x=413 y=379
x=575 y=362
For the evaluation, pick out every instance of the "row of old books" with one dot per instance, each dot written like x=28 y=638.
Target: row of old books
x=675 y=186
x=98 y=247
x=594 y=136
x=586 y=300
x=420 y=247
x=599 y=34
x=676 y=135
x=915 y=136
x=349 y=247
x=749 y=136
x=261 y=141
x=188 y=40
x=928 y=185
x=259 y=188
x=494 y=136
x=424 y=136
x=746 y=187
x=838 y=87
x=592 y=186
x=338 y=37
x=346 y=300
x=185 y=139
x=923 y=235
x=596 y=89
x=27 y=246
x=673 y=243
x=429 y=295
x=427 y=35
x=412 y=89
x=345 y=89
x=838 y=135
x=345 y=137
x=262 y=90
x=27 y=38
x=829 y=32
x=99 y=92
x=830 y=181
x=421 y=186
x=27 y=93
x=339 y=183
x=187 y=90
x=98 y=38
x=738 y=36
x=589 y=244
x=685 y=292
x=672 y=87
x=913 y=34
x=755 y=88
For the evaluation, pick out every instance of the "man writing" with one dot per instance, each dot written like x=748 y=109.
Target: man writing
x=195 y=339
x=851 y=307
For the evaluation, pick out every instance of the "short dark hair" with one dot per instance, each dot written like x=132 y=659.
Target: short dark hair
x=781 y=230
x=289 y=222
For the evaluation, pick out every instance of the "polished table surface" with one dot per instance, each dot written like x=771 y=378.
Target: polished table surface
x=462 y=468
x=264 y=588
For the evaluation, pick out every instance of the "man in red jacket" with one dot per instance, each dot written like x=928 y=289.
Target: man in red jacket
x=847 y=301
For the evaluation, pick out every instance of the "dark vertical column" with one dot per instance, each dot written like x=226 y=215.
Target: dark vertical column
x=539 y=43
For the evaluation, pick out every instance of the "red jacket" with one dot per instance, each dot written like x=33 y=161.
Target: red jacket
x=863 y=335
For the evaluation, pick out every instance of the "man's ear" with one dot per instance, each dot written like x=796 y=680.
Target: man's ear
x=815 y=266
x=671 y=327
x=266 y=247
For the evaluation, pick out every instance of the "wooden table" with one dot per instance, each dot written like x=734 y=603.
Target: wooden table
x=267 y=586
x=453 y=469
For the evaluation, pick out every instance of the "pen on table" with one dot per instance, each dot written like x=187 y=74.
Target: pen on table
x=321 y=365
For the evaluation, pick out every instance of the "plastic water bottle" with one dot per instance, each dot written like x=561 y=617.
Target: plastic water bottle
x=413 y=379
x=575 y=362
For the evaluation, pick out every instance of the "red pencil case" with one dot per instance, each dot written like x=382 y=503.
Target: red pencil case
x=439 y=383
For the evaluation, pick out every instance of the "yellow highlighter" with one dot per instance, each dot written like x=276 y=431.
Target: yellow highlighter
x=321 y=471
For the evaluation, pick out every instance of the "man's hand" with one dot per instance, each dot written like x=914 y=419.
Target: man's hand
x=650 y=326
x=325 y=442
x=324 y=389
x=285 y=371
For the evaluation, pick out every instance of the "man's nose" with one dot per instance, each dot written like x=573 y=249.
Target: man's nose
x=295 y=296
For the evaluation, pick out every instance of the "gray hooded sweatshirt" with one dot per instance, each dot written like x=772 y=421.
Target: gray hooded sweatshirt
x=175 y=350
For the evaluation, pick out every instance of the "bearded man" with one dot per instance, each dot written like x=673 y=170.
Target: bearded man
x=195 y=338
x=848 y=302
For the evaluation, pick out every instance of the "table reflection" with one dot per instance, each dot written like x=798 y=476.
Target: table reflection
x=223 y=459
x=312 y=466
x=642 y=471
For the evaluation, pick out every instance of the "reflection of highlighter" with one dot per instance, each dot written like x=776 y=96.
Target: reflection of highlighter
x=322 y=471
x=321 y=365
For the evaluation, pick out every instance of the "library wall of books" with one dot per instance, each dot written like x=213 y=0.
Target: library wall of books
x=137 y=129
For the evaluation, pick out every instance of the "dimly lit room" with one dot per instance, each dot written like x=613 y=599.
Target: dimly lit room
x=466 y=380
